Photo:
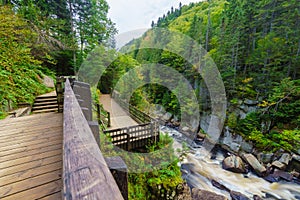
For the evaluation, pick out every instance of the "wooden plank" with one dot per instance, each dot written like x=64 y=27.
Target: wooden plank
x=27 y=159
x=85 y=173
x=8 y=130
x=56 y=140
x=28 y=143
x=56 y=131
x=54 y=196
x=29 y=183
x=28 y=119
x=26 y=174
x=30 y=139
x=31 y=165
x=37 y=192
x=31 y=152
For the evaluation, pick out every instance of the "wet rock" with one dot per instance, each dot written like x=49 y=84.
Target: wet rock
x=219 y=186
x=295 y=174
x=277 y=175
x=185 y=129
x=255 y=164
x=167 y=116
x=285 y=158
x=183 y=192
x=256 y=197
x=235 y=143
x=251 y=102
x=199 y=194
x=272 y=178
x=238 y=196
x=278 y=165
x=265 y=157
x=284 y=175
x=201 y=136
x=247 y=146
x=294 y=163
x=235 y=164
x=204 y=122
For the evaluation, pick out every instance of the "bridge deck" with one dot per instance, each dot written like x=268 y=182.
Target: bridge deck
x=31 y=157
x=119 y=118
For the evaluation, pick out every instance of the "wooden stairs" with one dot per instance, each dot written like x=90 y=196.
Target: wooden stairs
x=45 y=103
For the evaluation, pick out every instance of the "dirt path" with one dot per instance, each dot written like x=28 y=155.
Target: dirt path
x=118 y=117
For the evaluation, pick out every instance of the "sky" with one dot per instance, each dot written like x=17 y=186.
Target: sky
x=130 y=15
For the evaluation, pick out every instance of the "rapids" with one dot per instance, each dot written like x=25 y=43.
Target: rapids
x=199 y=170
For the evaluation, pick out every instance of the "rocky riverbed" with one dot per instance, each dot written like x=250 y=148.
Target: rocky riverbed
x=225 y=174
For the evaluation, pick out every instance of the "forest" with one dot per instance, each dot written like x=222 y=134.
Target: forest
x=46 y=38
x=254 y=44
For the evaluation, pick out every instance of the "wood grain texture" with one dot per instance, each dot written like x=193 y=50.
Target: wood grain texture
x=85 y=173
x=31 y=157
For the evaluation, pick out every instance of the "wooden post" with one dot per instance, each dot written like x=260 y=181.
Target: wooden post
x=128 y=146
x=94 y=126
x=98 y=113
x=59 y=93
x=108 y=117
x=118 y=169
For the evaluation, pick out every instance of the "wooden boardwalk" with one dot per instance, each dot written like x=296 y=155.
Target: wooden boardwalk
x=31 y=157
x=118 y=116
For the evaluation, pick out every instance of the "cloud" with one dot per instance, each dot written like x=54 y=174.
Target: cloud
x=135 y=14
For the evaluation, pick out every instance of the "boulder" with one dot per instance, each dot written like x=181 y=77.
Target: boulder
x=285 y=158
x=219 y=185
x=277 y=175
x=284 y=175
x=272 y=178
x=185 y=129
x=233 y=142
x=194 y=125
x=199 y=194
x=167 y=116
x=247 y=146
x=235 y=164
x=255 y=164
x=238 y=196
x=183 y=192
x=251 y=102
x=278 y=165
x=265 y=157
x=256 y=197
x=295 y=174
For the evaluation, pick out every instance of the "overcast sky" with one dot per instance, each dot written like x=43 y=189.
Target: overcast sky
x=130 y=15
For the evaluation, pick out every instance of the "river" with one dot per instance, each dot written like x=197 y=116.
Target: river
x=199 y=170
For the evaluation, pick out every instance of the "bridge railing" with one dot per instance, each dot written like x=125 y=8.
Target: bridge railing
x=85 y=172
x=134 y=113
x=134 y=137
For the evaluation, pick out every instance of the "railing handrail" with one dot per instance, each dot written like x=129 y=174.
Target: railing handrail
x=85 y=172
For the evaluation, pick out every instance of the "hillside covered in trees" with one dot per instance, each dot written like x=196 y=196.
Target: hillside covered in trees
x=45 y=37
x=256 y=47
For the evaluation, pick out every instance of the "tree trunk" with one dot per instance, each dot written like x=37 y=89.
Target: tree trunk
x=73 y=33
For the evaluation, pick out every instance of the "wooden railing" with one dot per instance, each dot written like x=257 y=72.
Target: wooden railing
x=134 y=137
x=85 y=172
x=103 y=117
x=134 y=113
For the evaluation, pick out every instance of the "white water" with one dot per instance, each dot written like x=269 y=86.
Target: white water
x=205 y=170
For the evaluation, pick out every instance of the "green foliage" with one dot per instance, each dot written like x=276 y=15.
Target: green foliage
x=287 y=140
x=161 y=178
x=232 y=120
x=255 y=45
x=20 y=73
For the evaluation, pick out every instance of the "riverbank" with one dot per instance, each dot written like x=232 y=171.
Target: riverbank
x=203 y=170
